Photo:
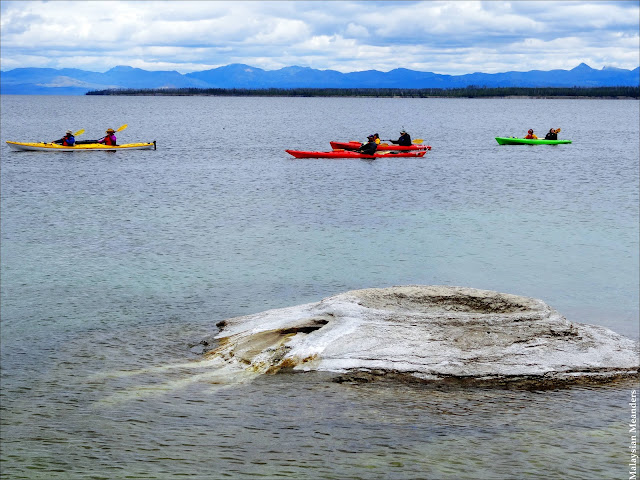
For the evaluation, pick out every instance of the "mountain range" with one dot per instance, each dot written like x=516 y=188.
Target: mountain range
x=72 y=81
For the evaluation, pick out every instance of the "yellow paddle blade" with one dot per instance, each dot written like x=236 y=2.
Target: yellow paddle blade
x=418 y=140
x=122 y=127
x=79 y=132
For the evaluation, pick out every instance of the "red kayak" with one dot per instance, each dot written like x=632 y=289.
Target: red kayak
x=350 y=154
x=382 y=146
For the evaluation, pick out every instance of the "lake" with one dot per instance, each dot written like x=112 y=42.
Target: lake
x=115 y=267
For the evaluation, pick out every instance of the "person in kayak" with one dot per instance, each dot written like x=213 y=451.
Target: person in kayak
x=552 y=135
x=376 y=138
x=67 y=141
x=110 y=138
x=531 y=135
x=370 y=147
x=404 y=140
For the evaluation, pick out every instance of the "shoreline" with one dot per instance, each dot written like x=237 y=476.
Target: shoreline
x=608 y=93
x=510 y=97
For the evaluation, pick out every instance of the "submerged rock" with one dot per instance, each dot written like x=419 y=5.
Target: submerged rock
x=426 y=333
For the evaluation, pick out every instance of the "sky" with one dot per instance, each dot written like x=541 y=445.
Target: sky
x=445 y=37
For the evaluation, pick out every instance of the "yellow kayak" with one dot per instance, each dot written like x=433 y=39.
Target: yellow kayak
x=54 y=147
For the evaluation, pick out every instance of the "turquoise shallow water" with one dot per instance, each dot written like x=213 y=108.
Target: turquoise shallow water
x=124 y=262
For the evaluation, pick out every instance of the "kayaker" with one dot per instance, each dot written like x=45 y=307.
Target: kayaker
x=376 y=138
x=110 y=138
x=368 y=148
x=404 y=140
x=531 y=135
x=552 y=135
x=68 y=140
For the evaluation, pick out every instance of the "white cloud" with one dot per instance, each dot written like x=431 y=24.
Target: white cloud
x=356 y=31
x=279 y=32
x=440 y=36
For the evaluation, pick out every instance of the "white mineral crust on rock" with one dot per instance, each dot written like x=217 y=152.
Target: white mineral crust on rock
x=429 y=333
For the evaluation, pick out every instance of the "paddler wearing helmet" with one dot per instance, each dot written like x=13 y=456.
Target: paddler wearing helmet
x=531 y=135
x=110 y=138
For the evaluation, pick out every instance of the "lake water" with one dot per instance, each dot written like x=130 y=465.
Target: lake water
x=116 y=265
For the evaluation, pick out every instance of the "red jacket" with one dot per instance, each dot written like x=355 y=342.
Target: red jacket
x=108 y=140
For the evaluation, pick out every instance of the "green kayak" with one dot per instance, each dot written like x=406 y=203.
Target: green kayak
x=528 y=141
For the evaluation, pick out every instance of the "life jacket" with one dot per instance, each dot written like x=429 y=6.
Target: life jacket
x=68 y=141
x=110 y=140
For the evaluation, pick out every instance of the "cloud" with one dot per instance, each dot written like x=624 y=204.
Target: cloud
x=451 y=37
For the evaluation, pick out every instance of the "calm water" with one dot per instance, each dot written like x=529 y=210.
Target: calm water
x=116 y=265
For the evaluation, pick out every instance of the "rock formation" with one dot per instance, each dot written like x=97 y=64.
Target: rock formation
x=428 y=334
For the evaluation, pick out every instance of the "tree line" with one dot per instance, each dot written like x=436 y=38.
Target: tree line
x=466 y=92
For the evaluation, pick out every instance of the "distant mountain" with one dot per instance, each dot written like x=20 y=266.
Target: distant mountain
x=72 y=81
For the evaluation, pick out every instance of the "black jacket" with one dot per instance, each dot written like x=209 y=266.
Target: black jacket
x=368 y=148
x=404 y=140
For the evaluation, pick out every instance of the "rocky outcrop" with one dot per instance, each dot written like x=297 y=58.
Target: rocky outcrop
x=426 y=333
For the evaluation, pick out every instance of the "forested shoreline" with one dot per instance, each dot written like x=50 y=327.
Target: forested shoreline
x=467 y=92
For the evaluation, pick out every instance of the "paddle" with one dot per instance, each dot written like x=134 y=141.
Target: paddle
x=553 y=134
x=77 y=134
x=96 y=141
x=417 y=140
x=118 y=130
x=349 y=150
x=414 y=141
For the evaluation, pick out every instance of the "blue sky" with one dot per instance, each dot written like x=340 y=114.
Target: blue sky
x=442 y=37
